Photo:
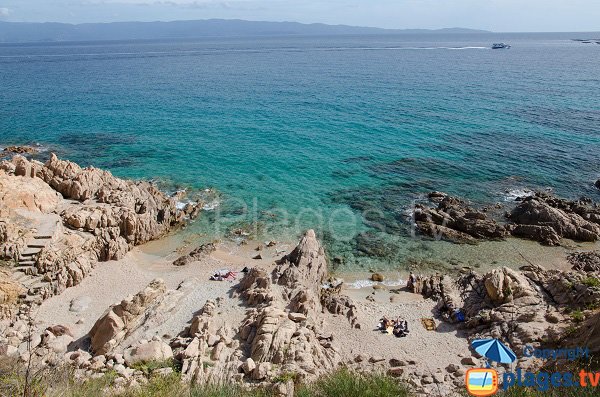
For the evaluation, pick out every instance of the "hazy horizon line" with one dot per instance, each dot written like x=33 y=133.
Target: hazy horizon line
x=294 y=22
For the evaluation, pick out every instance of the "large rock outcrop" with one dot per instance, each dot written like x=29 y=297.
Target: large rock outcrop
x=526 y=306
x=547 y=219
x=113 y=208
x=58 y=219
x=281 y=331
x=122 y=319
x=454 y=220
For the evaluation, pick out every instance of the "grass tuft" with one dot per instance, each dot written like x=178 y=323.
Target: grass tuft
x=591 y=282
x=345 y=383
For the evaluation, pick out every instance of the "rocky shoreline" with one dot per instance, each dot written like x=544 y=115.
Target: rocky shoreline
x=540 y=217
x=284 y=320
x=58 y=220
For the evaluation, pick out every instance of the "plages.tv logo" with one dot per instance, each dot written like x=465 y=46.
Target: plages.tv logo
x=482 y=382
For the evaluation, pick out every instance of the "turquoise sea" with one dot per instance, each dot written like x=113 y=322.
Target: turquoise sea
x=342 y=134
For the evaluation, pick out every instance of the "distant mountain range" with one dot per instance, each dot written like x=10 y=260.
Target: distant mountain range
x=16 y=32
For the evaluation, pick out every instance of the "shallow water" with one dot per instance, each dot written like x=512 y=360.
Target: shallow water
x=341 y=134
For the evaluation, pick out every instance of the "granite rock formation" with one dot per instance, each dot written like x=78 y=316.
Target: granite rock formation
x=454 y=220
x=547 y=219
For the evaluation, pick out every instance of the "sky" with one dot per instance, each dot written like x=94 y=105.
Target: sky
x=495 y=15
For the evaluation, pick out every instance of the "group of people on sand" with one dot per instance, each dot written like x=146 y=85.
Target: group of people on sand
x=398 y=327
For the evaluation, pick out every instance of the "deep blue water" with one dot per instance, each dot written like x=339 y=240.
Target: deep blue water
x=320 y=128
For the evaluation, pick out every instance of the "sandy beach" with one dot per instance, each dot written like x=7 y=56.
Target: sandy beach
x=105 y=276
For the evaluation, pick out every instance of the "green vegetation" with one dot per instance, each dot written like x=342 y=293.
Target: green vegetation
x=591 y=281
x=577 y=316
x=285 y=377
x=148 y=367
x=345 y=383
x=60 y=382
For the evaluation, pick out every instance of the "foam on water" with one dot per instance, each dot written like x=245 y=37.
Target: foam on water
x=359 y=284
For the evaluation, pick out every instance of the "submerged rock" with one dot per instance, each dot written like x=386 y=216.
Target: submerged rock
x=20 y=150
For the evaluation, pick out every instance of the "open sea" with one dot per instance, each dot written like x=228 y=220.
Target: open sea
x=341 y=134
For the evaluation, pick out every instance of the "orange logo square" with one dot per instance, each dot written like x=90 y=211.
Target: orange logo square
x=481 y=382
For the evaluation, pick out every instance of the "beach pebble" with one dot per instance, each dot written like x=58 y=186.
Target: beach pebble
x=438 y=377
x=397 y=363
x=468 y=361
x=396 y=372
x=427 y=380
x=359 y=359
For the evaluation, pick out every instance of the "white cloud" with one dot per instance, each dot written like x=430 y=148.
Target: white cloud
x=4 y=12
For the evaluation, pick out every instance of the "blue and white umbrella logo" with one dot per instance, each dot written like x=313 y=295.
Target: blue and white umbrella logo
x=494 y=350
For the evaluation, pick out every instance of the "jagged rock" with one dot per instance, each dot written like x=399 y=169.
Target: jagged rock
x=255 y=287
x=248 y=366
x=520 y=307
x=305 y=264
x=111 y=216
x=504 y=285
x=9 y=294
x=200 y=322
x=544 y=234
x=261 y=371
x=193 y=349
x=585 y=261
x=120 y=319
x=577 y=220
x=7 y=350
x=454 y=220
x=162 y=371
x=270 y=334
x=195 y=255
x=297 y=317
x=148 y=352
